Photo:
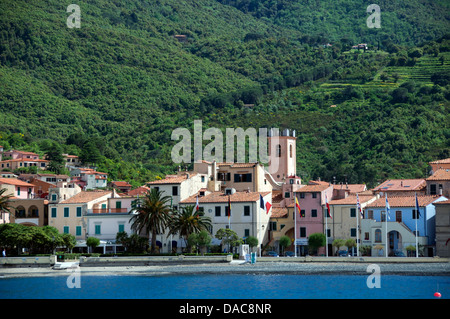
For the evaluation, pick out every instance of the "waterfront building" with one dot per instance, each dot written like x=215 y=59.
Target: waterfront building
x=442 y=228
x=401 y=224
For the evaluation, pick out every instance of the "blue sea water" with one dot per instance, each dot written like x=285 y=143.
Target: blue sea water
x=226 y=286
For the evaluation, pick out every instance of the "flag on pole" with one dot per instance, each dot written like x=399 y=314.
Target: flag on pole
x=328 y=207
x=196 y=205
x=261 y=202
x=268 y=205
x=387 y=208
x=417 y=208
x=358 y=204
x=298 y=206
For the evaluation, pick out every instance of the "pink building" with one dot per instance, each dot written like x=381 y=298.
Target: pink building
x=312 y=199
x=17 y=188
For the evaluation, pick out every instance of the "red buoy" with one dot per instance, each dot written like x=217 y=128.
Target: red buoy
x=437 y=294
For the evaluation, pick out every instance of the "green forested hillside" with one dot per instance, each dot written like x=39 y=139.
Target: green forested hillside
x=402 y=21
x=122 y=83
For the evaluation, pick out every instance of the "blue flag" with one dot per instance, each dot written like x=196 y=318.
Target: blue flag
x=387 y=208
x=261 y=202
x=417 y=208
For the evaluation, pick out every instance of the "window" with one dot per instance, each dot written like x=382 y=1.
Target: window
x=302 y=231
x=66 y=229
x=202 y=178
x=328 y=232
x=118 y=204
x=383 y=216
x=121 y=228
x=53 y=210
x=242 y=178
x=302 y=213
x=78 y=231
x=78 y=211
x=302 y=195
x=290 y=151
x=366 y=236
x=246 y=232
x=353 y=232
x=287 y=194
x=273 y=226
x=291 y=181
x=414 y=214
x=66 y=211
x=174 y=190
x=353 y=212
x=18 y=191
x=246 y=210
x=227 y=211
x=313 y=212
x=278 y=151
x=314 y=195
x=433 y=189
x=378 y=236
x=54 y=197
x=98 y=229
x=223 y=176
x=370 y=214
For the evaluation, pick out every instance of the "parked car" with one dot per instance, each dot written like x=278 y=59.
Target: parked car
x=272 y=254
x=343 y=253
x=289 y=254
x=399 y=253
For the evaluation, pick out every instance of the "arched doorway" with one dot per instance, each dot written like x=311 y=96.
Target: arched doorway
x=33 y=212
x=395 y=243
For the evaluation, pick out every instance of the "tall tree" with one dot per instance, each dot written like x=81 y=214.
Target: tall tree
x=189 y=221
x=152 y=213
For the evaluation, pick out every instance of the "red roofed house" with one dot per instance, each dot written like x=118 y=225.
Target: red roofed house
x=439 y=182
x=440 y=164
x=89 y=178
x=123 y=187
x=401 y=187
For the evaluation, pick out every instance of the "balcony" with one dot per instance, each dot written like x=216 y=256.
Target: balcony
x=108 y=210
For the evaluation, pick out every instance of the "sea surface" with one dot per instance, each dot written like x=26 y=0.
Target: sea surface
x=226 y=286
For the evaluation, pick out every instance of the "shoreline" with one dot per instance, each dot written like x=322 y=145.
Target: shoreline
x=237 y=267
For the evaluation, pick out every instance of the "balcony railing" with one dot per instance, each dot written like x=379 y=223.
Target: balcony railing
x=109 y=210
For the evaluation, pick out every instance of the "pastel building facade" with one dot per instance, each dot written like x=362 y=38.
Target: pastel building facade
x=401 y=225
x=442 y=228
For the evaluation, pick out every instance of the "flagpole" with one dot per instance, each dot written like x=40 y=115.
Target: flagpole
x=385 y=220
x=326 y=232
x=357 y=229
x=417 y=217
x=295 y=226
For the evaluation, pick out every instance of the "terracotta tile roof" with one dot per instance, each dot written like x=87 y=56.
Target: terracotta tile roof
x=313 y=188
x=404 y=201
x=220 y=197
x=138 y=191
x=351 y=200
x=172 y=179
x=442 y=161
x=238 y=165
x=121 y=184
x=318 y=183
x=24 y=160
x=277 y=197
x=353 y=188
x=401 y=185
x=279 y=212
x=15 y=181
x=85 y=197
x=440 y=175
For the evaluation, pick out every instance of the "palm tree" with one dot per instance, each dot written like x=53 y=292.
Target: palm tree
x=189 y=221
x=152 y=213
x=5 y=201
